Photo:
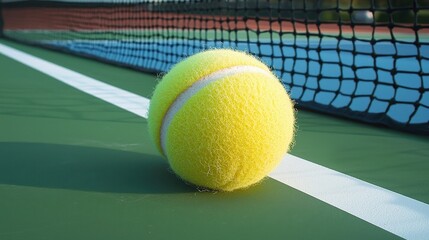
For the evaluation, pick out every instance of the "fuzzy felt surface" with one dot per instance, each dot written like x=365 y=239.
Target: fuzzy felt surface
x=231 y=133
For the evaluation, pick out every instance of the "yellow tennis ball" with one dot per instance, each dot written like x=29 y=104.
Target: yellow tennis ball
x=222 y=119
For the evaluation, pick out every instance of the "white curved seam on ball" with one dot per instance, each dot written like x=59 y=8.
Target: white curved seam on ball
x=180 y=101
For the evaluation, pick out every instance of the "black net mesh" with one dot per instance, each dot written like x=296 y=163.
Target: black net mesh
x=367 y=60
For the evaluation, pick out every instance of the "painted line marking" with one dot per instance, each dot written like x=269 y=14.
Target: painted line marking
x=396 y=213
x=393 y=212
x=116 y=96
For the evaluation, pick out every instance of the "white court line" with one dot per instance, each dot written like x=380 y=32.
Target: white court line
x=396 y=213
x=116 y=96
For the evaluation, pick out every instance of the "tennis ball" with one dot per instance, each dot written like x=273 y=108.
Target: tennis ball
x=222 y=119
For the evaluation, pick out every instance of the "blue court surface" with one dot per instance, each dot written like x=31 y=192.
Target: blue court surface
x=321 y=71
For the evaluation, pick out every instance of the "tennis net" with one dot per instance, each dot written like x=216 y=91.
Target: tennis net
x=360 y=59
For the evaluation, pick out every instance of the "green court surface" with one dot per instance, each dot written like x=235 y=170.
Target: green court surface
x=75 y=167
